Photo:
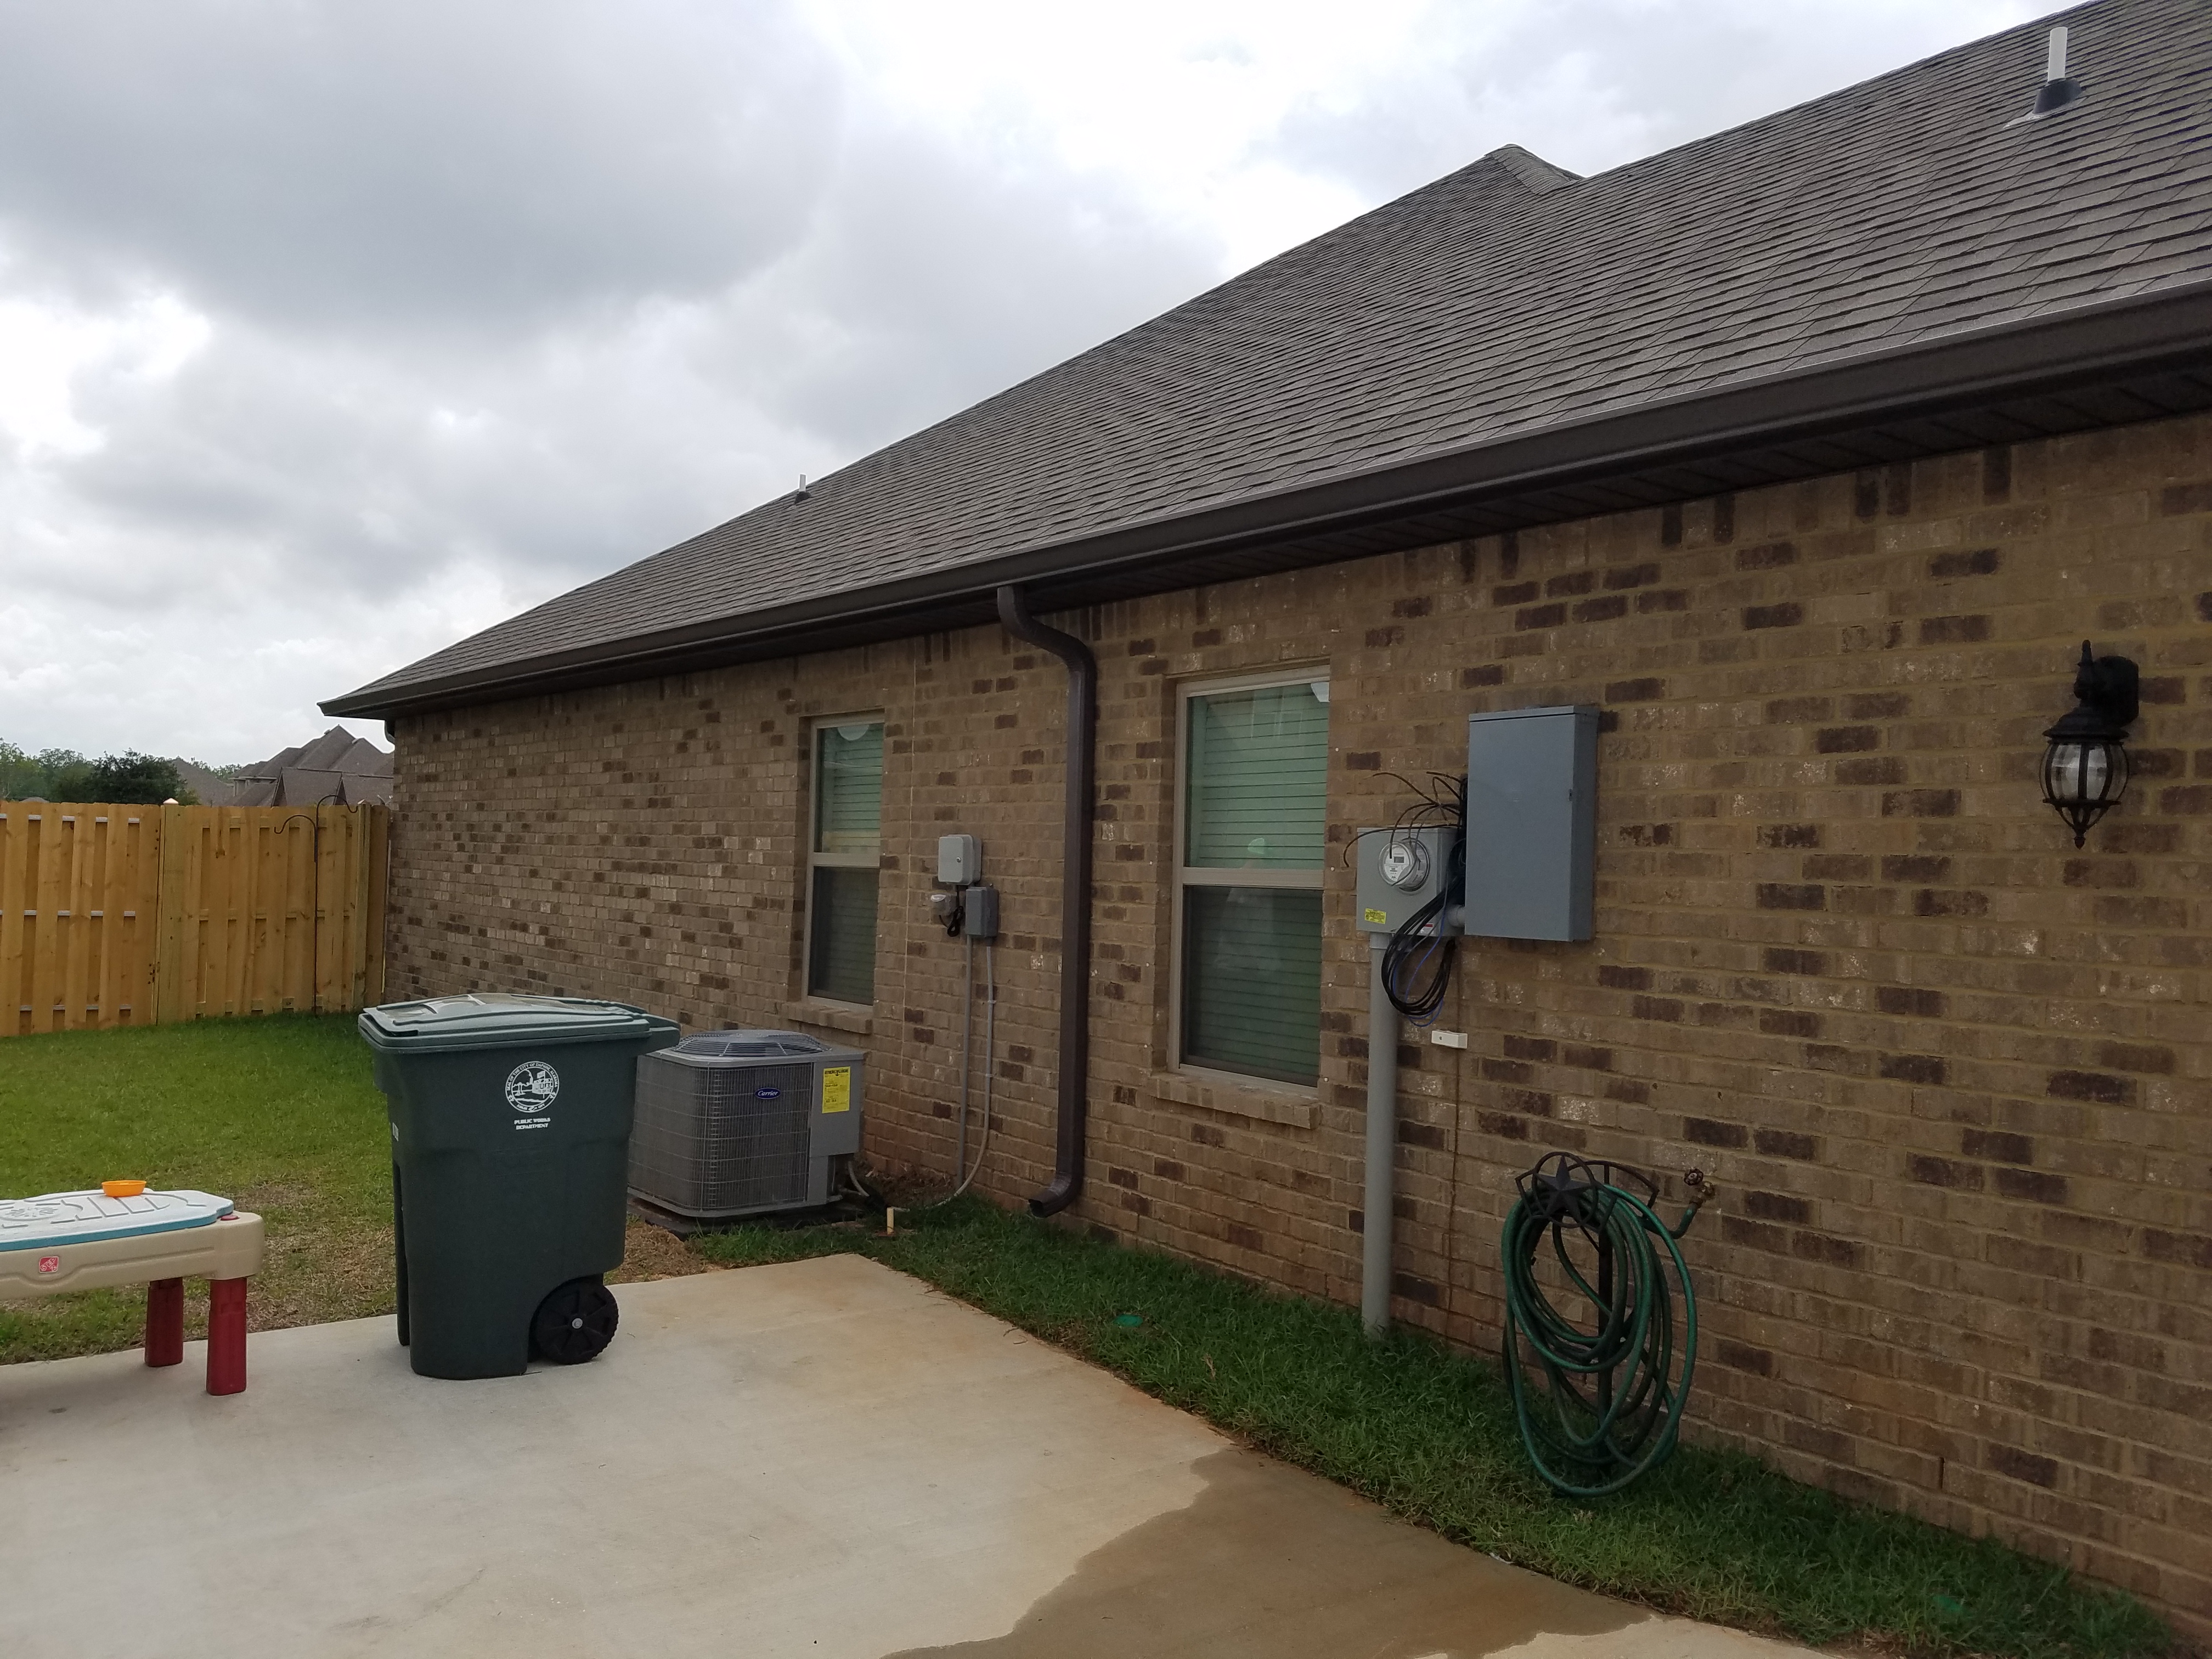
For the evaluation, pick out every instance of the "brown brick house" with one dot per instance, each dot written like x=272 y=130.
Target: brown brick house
x=1808 y=453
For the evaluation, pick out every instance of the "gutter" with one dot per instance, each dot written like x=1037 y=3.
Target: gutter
x=1075 y=856
x=2139 y=337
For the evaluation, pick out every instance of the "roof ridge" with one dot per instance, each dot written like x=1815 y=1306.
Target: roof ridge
x=1530 y=168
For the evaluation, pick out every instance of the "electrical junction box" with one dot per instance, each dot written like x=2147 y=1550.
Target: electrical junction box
x=1531 y=823
x=1400 y=871
x=959 y=860
x=978 y=912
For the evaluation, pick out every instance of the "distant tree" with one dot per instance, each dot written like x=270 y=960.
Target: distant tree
x=69 y=776
x=51 y=774
x=132 y=778
x=127 y=779
x=20 y=774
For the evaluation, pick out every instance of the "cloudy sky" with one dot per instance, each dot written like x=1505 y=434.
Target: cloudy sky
x=331 y=332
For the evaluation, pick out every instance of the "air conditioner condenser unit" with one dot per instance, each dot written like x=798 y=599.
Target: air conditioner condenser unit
x=739 y=1123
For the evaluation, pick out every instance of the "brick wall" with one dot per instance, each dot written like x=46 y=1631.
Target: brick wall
x=1954 y=1076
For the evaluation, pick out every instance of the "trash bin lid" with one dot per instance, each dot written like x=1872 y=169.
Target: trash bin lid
x=496 y=1019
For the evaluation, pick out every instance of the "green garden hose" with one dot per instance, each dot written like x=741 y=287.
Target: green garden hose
x=1617 y=1383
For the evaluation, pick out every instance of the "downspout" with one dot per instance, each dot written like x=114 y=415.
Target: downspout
x=1075 y=894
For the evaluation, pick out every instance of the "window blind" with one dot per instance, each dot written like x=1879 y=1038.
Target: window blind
x=843 y=935
x=848 y=815
x=1258 y=780
x=1252 y=981
x=1256 y=795
x=848 y=784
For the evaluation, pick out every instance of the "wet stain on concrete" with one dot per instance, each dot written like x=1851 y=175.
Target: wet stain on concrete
x=1271 y=1562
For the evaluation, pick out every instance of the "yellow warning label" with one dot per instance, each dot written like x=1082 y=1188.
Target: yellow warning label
x=1377 y=918
x=838 y=1089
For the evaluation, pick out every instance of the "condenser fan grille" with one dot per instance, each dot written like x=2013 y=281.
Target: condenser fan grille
x=725 y=1138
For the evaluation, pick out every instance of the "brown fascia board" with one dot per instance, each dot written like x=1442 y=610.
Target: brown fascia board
x=2165 y=331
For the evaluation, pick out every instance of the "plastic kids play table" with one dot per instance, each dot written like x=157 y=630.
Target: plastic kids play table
x=122 y=1234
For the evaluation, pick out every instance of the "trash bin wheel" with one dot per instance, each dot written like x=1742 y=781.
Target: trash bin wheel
x=573 y=1323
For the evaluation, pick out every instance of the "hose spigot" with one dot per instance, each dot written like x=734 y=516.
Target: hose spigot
x=1703 y=1187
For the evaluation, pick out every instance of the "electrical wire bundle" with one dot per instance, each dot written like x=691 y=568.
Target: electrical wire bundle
x=1417 y=963
x=1617 y=1385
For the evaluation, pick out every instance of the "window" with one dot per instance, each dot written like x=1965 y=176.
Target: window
x=843 y=859
x=1252 y=838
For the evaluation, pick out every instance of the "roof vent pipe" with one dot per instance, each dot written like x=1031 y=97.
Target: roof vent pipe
x=2057 y=91
x=1081 y=769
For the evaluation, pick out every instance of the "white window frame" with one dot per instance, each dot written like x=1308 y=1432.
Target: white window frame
x=1183 y=876
x=817 y=860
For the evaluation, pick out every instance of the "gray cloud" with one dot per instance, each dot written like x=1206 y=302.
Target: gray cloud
x=1588 y=84
x=476 y=165
x=377 y=323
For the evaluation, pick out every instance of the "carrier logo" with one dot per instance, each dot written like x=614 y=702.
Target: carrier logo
x=767 y=1094
x=532 y=1086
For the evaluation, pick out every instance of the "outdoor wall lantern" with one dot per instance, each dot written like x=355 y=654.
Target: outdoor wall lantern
x=2086 y=768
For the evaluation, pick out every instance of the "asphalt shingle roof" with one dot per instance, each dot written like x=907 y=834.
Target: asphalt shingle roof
x=1506 y=298
x=337 y=764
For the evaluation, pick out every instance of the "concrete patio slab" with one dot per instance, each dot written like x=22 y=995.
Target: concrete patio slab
x=825 y=1458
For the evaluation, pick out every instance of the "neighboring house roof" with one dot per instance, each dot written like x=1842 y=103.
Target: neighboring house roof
x=212 y=788
x=337 y=767
x=300 y=786
x=1899 y=268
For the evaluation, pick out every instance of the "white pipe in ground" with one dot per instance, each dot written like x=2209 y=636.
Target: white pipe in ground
x=1382 y=1150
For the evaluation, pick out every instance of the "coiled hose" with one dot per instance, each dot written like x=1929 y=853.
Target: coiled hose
x=1617 y=1383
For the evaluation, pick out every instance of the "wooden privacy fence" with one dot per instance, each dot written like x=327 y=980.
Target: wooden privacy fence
x=135 y=915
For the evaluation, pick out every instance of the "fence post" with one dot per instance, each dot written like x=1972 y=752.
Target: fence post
x=13 y=868
x=169 y=899
x=376 y=888
x=360 y=903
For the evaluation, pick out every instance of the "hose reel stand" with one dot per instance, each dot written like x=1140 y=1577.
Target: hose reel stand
x=1617 y=1382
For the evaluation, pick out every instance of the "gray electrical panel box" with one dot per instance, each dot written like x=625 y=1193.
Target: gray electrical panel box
x=1400 y=871
x=1531 y=823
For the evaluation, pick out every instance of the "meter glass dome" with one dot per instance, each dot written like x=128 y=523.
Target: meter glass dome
x=1405 y=863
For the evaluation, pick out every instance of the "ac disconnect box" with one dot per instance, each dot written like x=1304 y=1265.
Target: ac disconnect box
x=1531 y=823
x=959 y=860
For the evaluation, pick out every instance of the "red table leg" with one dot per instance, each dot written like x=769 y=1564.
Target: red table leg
x=165 y=1321
x=226 y=1358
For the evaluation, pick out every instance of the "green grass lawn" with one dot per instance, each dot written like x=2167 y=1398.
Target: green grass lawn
x=278 y=1115
x=281 y=1114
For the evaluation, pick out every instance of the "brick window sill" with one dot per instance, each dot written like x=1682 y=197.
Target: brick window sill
x=1289 y=1107
x=836 y=1016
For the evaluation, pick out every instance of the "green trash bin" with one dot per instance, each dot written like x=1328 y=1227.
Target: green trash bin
x=510 y=1168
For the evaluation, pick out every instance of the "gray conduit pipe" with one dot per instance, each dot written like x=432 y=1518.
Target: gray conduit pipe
x=1379 y=1221
x=1075 y=894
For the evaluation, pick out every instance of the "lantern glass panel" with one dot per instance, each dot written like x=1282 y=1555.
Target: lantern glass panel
x=2084 y=773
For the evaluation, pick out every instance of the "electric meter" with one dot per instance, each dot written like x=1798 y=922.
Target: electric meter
x=1400 y=871
x=1406 y=862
